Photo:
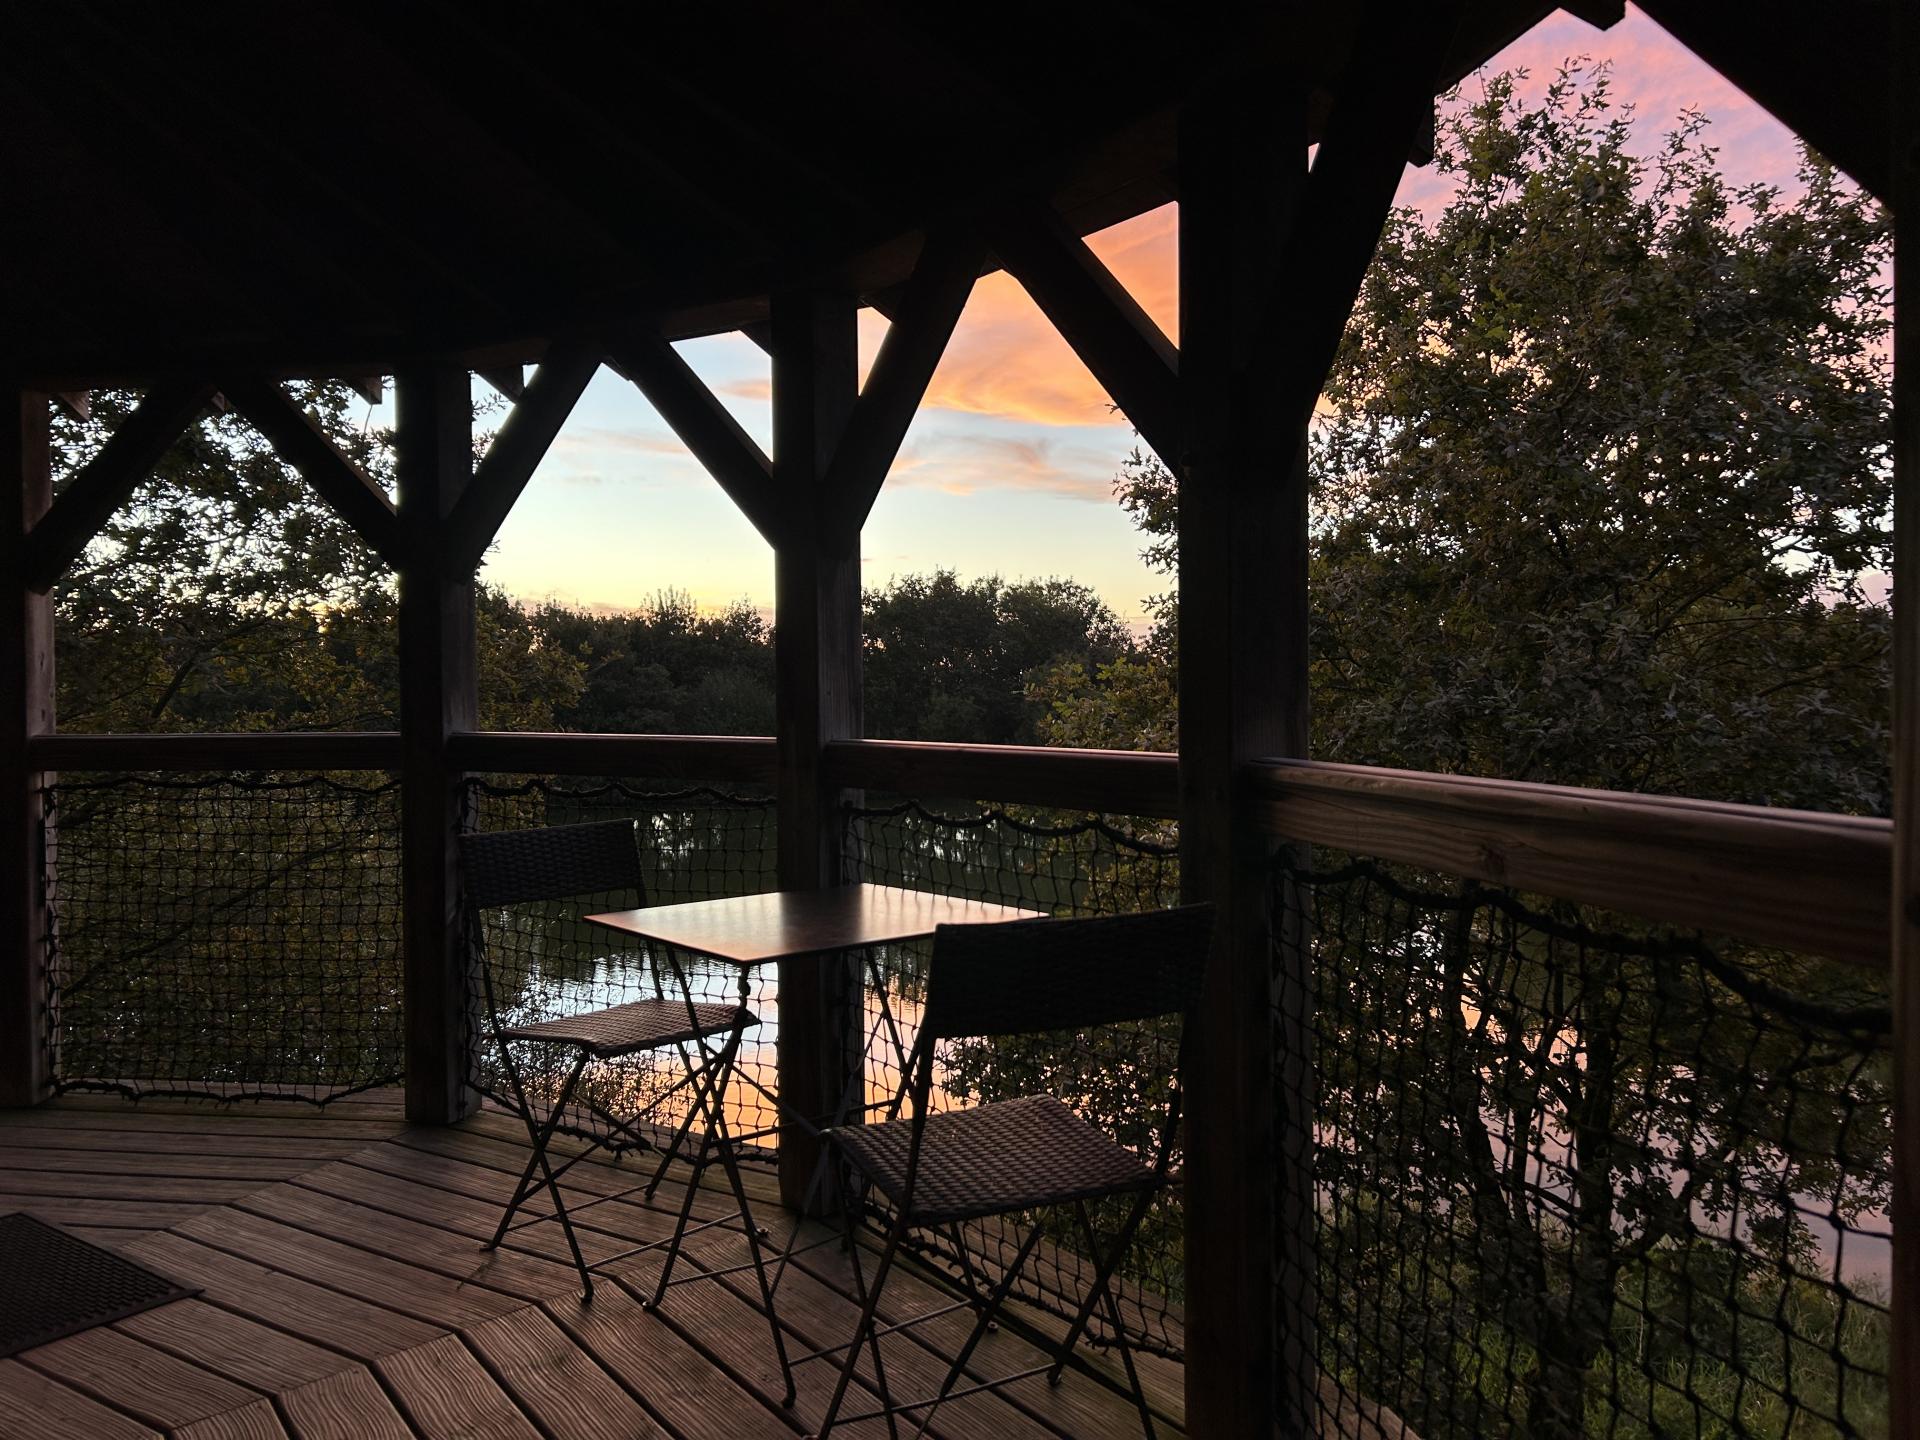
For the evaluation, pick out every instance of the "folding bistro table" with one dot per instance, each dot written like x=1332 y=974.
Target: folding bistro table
x=748 y=931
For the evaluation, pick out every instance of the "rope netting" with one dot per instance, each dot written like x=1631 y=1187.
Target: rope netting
x=232 y=935
x=1574 y=1175
x=545 y=961
x=1115 y=1077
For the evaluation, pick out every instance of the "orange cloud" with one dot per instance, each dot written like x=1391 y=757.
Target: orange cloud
x=963 y=463
x=1005 y=358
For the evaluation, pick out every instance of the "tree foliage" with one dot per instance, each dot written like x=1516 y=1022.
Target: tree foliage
x=226 y=596
x=1601 y=481
x=948 y=659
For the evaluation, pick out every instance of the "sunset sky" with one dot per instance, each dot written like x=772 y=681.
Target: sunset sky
x=1008 y=468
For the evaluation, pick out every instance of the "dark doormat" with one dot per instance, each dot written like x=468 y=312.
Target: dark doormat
x=52 y=1285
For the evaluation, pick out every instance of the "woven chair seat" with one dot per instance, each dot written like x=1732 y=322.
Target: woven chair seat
x=623 y=1029
x=1013 y=1155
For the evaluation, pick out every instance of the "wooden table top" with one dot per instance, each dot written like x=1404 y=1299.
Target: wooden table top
x=753 y=929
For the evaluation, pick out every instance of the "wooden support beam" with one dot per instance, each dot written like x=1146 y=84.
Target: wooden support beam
x=917 y=338
x=298 y=439
x=1903 y=1362
x=1243 y=694
x=1383 y=106
x=716 y=439
x=760 y=333
x=438 y=697
x=91 y=497
x=509 y=380
x=26 y=712
x=817 y=660
x=1601 y=14
x=1133 y=361
x=76 y=403
x=518 y=449
x=370 y=388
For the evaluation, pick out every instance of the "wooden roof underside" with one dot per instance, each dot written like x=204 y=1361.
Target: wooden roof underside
x=311 y=189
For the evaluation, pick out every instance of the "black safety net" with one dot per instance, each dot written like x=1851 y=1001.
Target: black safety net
x=1573 y=1174
x=224 y=934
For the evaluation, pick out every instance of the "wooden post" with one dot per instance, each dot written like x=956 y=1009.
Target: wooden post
x=26 y=702
x=1243 y=695
x=1904 y=1362
x=816 y=380
x=434 y=426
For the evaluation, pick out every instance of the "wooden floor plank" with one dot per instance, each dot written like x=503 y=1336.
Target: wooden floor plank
x=337 y=1249
x=437 y=1205
x=206 y=1140
x=1077 y=1406
x=347 y=1406
x=105 y=1214
x=258 y=1421
x=162 y=1390
x=181 y=1165
x=243 y=1350
x=424 y=1294
x=462 y=1259
x=387 y=1101
x=87 y=1185
x=816 y=1316
x=507 y=1157
x=556 y=1382
x=347 y=1324
x=36 y=1407
x=673 y=1380
x=827 y=1319
x=447 y=1394
x=237 y=1120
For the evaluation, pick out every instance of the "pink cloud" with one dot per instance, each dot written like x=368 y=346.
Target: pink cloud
x=1006 y=360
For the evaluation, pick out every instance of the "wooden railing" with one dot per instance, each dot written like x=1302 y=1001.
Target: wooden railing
x=1793 y=878
x=1797 y=879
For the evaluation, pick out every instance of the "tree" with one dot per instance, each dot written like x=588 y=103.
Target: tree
x=666 y=668
x=226 y=596
x=947 y=660
x=1602 y=480
x=1601 y=491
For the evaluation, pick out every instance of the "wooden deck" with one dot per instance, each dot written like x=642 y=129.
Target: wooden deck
x=345 y=1293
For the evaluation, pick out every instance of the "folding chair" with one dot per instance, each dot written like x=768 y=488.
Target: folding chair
x=1012 y=1157
x=519 y=867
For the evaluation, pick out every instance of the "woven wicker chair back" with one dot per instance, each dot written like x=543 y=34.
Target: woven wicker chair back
x=519 y=867
x=1039 y=975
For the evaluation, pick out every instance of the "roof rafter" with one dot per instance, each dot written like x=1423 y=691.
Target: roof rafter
x=298 y=439
x=1117 y=340
x=704 y=426
x=91 y=496
x=522 y=442
x=1386 y=99
x=929 y=309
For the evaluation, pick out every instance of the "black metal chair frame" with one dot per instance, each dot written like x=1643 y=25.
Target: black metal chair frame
x=561 y=862
x=1024 y=978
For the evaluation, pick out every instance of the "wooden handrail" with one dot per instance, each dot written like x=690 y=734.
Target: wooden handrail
x=249 y=750
x=752 y=759
x=1797 y=879
x=1114 y=782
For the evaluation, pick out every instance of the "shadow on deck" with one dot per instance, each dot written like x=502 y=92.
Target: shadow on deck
x=345 y=1292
